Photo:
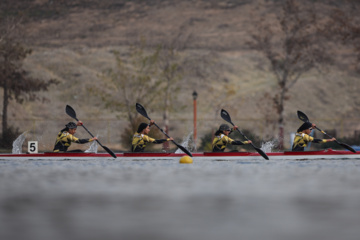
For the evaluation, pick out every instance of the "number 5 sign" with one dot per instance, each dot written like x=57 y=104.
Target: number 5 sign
x=32 y=146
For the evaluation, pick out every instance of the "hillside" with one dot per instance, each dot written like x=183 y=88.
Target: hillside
x=72 y=41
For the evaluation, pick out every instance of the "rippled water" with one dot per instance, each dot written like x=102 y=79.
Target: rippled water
x=117 y=199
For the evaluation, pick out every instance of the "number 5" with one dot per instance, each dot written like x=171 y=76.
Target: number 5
x=33 y=147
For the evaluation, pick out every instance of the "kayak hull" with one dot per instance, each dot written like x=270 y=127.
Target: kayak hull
x=308 y=155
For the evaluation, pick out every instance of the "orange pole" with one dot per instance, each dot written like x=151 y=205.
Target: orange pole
x=195 y=130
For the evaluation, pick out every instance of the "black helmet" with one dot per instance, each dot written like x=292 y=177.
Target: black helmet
x=304 y=126
x=71 y=125
x=224 y=127
x=142 y=126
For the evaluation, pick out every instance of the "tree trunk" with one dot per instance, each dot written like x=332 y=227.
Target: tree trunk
x=195 y=127
x=281 y=118
x=166 y=113
x=5 y=105
x=281 y=133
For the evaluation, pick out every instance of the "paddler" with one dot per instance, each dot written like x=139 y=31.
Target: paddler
x=141 y=138
x=221 y=138
x=66 y=137
x=302 y=137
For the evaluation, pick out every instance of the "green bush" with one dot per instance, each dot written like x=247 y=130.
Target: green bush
x=206 y=142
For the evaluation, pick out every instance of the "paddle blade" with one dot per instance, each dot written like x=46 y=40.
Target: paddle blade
x=70 y=111
x=109 y=151
x=347 y=147
x=183 y=149
x=225 y=115
x=302 y=116
x=261 y=152
x=140 y=109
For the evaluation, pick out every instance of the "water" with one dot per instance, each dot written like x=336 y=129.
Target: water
x=187 y=143
x=19 y=141
x=268 y=146
x=161 y=200
x=17 y=144
x=93 y=147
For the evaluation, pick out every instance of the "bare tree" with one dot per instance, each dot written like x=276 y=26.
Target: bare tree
x=177 y=65
x=16 y=82
x=170 y=74
x=292 y=47
x=171 y=69
x=343 y=27
x=132 y=80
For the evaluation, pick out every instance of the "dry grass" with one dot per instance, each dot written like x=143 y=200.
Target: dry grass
x=74 y=46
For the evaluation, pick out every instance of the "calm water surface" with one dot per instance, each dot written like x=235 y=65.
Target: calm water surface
x=165 y=200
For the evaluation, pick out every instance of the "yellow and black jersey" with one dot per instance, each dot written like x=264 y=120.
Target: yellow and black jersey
x=221 y=141
x=302 y=139
x=140 y=141
x=64 y=140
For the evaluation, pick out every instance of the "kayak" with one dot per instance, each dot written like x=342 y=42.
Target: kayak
x=287 y=155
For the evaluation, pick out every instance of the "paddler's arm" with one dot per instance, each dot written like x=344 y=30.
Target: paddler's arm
x=236 y=142
x=157 y=141
x=82 y=141
x=317 y=140
x=233 y=129
x=152 y=122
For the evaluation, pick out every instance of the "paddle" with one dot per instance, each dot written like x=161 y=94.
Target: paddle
x=225 y=115
x=142 y=111
x=71 y=112
x=302 y=116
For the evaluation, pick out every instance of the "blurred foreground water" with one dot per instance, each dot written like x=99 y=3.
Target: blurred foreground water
x=163 y=200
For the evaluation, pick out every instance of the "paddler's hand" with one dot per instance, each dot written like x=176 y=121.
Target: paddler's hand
x=331 y=140
x=170 y=139
x=94 y=138
x=152 y=122
x=79 y=123
x=235 y=127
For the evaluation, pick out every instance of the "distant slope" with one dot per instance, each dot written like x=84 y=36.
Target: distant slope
x=72 y=41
